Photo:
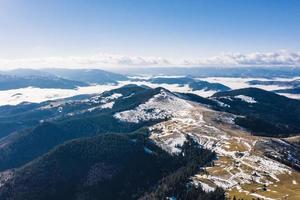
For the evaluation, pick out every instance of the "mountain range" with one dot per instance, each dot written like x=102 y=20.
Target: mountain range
x=139 y=140
x=93 y=146
x=291 y=87
x=56 y=78
x=268 y=72
x=194 y=84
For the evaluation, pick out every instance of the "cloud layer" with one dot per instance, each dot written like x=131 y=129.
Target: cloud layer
x=280 y=58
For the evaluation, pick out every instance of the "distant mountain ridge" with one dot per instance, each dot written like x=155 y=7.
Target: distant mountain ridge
x=192 y=83
x=91 y=76
x=26 y=72
x=292 y=87
x=211 y=71
x=295 y=90
x=293 y=83
x=8 y=82
x=56 y=78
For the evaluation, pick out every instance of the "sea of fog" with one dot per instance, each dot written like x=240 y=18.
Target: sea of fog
x=37 y=95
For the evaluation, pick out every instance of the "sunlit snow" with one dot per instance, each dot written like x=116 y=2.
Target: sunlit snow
x=161 y=106
x=246 y=98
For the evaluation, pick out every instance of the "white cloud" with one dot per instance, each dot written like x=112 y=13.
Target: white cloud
x=280 y=58
x=98 y=60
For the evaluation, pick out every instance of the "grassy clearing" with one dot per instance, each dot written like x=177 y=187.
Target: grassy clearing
x=284 y=189
x=218 y=171
x=235 y=145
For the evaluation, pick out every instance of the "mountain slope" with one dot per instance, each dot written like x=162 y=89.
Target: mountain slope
x=245 y=166
x=24 y=72
x=291 y=84
x=290 y=87
x=266 y=113
x=25 y=115
x=94 y=76
x=90 y=117
x=56 y=78
x=295 y=90
x=104 y=167
x=192 y=83
x=108 y=167
x=8 y=82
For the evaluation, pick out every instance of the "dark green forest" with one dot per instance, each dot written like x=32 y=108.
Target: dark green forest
x=111 y=166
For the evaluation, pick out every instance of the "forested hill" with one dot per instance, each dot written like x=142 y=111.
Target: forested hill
x=110 y=167
x=262 y=112
x=74 y=120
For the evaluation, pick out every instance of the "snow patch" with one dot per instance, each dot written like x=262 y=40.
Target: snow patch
x=171 y=198
x=246 y=98
x=205 y=187
x=108 y=105
x=224 y=105
x=113 y=96
x=174 y=144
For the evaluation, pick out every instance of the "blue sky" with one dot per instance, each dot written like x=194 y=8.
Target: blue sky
x=166 y=30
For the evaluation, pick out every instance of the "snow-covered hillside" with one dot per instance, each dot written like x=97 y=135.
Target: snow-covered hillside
x=240 y=168
x=161 y=106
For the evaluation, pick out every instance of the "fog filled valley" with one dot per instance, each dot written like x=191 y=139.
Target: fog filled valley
x=27 y=85
x=93 y=134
